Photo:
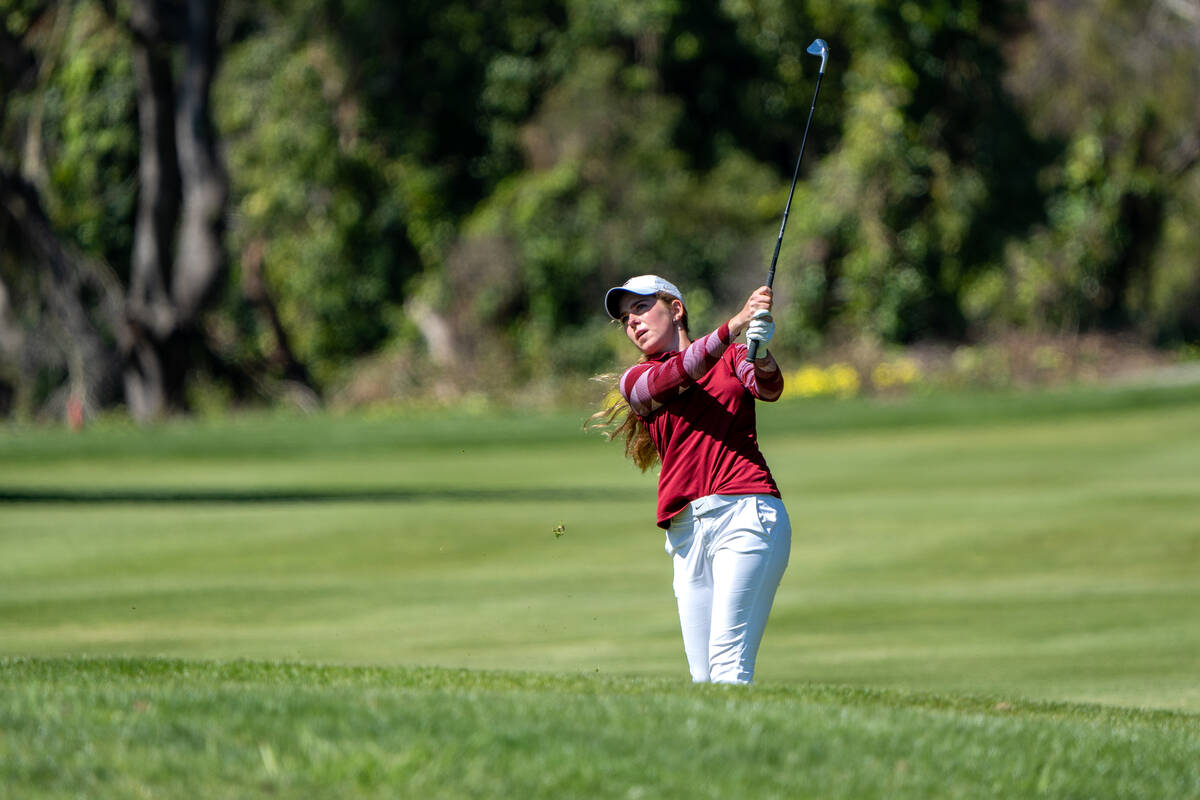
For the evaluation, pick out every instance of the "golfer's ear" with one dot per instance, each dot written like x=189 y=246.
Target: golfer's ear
x=676 y=311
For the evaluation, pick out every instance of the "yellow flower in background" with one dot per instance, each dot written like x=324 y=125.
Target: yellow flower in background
x=840 y=380
x=806 y=382
x=844 y=379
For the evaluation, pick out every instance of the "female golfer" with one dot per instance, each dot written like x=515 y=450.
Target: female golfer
x=690 y=405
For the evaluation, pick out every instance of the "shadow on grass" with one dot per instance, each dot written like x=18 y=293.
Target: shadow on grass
x=349 y=495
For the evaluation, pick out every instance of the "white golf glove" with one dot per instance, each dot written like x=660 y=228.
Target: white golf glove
x=761 y=329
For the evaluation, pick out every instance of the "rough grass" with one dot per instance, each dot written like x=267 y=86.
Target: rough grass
x=167 y=728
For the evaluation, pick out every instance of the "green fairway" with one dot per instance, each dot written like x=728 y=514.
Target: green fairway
x=1030 y=547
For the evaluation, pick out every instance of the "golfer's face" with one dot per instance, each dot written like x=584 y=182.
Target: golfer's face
x=648 y=323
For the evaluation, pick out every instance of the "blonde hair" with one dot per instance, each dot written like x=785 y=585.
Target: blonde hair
x=617 y=420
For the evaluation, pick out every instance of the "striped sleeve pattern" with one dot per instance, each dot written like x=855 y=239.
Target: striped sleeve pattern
x=649 y=385
x=763 y=384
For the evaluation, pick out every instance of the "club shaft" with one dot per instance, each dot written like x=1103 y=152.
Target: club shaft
x=752 y=347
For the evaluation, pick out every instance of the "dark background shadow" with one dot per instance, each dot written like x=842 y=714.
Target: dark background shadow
x=348 y=495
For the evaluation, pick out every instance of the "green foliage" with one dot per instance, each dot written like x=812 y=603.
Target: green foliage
x=607 y=196
x=307 y=190
x=924 y=171
x=1117 y=82
x=931 y=172
x=493 y=167
x=445 y=83
x=78 y=131
x=354 y=154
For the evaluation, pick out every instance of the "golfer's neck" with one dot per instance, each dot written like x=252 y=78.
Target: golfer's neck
x=677 y=344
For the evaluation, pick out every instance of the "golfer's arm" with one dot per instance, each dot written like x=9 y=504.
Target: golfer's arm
x=648 y=386
x=763 y=378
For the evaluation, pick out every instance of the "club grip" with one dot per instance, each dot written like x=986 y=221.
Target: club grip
x=751 y=352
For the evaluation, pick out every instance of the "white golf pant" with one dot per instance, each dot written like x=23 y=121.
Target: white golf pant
x=729 y=554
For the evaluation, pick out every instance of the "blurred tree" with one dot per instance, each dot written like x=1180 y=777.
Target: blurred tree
x=177 y=254
x=359 y=138
x=462 y=179
x=928 y=169
x=61 y=310
x=920 y=171
x=1117 y=81
x=607 y=195
x=321 y=245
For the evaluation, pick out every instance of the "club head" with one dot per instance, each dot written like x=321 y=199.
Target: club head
x=819 y=48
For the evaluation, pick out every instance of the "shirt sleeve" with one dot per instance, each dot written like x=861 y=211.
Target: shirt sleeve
x=764 y=385
x=649 y=385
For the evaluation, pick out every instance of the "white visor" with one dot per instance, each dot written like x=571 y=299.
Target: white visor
x=642 y=285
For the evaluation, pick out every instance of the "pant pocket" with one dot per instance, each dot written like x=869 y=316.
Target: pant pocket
x=767 y=512
x=679 y=537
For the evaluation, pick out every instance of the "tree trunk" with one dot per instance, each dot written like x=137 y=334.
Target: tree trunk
x=182 y=198
x=200 y=261
x=151 y=317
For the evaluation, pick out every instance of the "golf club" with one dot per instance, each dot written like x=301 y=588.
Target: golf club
x=817 y=48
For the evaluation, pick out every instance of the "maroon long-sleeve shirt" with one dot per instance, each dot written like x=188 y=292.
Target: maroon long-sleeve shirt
x=698 y=405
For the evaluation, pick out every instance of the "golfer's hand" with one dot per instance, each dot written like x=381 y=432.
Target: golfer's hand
x=761 y=329
x=760 y=300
